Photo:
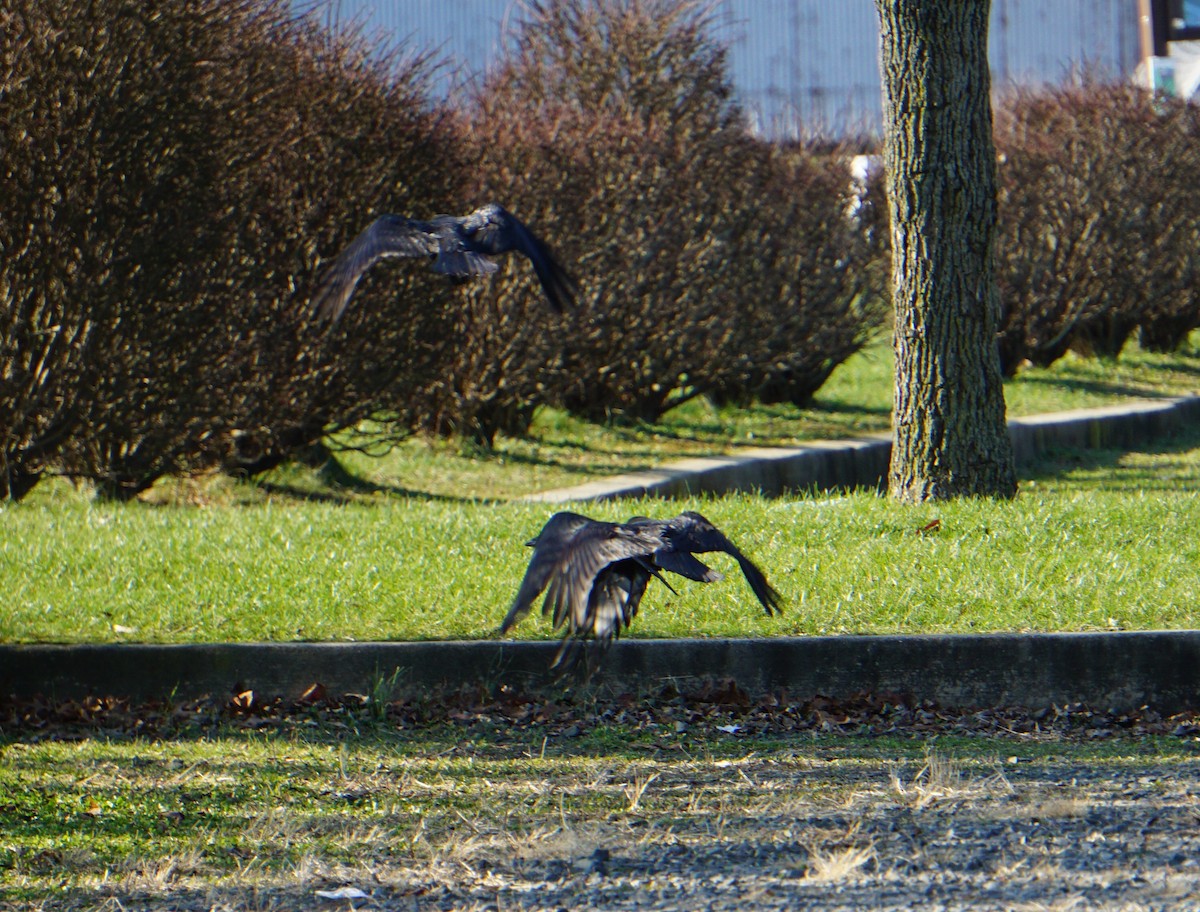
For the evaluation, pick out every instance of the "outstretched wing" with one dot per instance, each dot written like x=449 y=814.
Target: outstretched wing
x=593 y=548
x=387 y=236
x=594 y=574
x=612 y=605
x=549 y=546
x=687 y=565
x=690 y=532
x=568 y=554
x=673 y=560
x=495 y=230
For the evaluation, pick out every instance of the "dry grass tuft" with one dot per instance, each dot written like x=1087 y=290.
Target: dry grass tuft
x=1060 y=807
x=940 y=780
x=636 y=789
x=837 y=864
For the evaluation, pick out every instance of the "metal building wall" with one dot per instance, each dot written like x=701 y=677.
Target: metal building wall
x=1036 y=41
x=799 y=66
x=466 y=35
x=805 y=66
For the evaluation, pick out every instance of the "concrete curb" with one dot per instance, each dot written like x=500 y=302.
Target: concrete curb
x=1111 y=671
x=863 y=462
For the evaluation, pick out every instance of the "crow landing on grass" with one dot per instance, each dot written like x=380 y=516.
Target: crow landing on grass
x=457 y=246
x=595 y=574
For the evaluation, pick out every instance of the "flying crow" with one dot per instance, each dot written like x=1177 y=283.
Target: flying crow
x=595 y=573
x=457 y=246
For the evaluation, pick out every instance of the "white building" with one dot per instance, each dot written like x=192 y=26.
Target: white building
x=806 y=66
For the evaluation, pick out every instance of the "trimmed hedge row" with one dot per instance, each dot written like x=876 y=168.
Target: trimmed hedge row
x=711 y=262
x=169 y=174
x=1099 y=221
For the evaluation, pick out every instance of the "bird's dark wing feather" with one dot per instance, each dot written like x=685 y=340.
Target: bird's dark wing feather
x=691 y=532
x=612 y=605
x=495 y=230
x=591 y=549
x=387 y=236
x=688 y=565
x=650 y=565
x=675 y=558
x=614 y=600
x=550 y=546
x=594 y=575
x=457 y=260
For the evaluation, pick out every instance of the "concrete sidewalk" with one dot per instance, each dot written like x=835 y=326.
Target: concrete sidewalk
x=863 y=462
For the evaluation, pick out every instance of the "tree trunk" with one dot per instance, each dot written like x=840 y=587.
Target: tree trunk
x=950 y=436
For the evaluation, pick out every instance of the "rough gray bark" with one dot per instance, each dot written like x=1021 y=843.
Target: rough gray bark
x=950 y=437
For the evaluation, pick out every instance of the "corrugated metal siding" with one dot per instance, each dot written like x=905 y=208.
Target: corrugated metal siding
x=1035 y=41
x=798 y=63
x=799 y=66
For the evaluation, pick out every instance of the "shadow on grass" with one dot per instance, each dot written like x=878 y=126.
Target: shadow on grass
x=341 y=487
x=1097 y=387
x=574 y=467
x=1190 y=366
x=1103 y=469
x=838 y=407
x=247 y=825
x=727 y=428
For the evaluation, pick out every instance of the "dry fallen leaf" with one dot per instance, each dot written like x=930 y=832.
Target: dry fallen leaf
x=315 y=693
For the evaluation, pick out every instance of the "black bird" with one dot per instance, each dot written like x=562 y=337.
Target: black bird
x=595 y=573
x=458 y=246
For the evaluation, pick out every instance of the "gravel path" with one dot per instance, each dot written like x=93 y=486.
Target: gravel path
x=1027 y=836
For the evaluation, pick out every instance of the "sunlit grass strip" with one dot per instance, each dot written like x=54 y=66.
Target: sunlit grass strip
x=1095 y=541
x=561 y=450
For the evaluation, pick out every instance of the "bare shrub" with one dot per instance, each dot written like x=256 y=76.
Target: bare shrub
x=1097 y=218
x=811 y=269
x=606 y=122
x=173 y=177
x=363 y=141
x=711 y=262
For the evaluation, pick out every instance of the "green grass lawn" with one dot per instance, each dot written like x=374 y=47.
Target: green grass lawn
x=562 y=451
x=481 y=811
x=1096 y=540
